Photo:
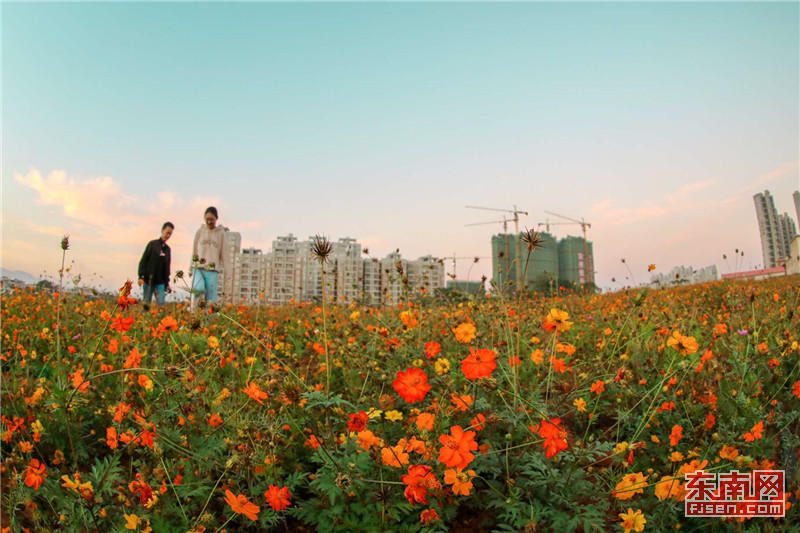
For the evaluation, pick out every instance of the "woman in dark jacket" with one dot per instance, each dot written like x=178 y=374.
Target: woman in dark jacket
x=154 y=266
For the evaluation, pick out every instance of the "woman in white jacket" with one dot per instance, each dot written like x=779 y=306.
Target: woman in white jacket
x=209 y=257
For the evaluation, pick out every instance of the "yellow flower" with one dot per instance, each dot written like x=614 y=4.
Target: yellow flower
x=37 y=427
x=374 y=413
x=684 y=345
x=630 y=485
x=558 y=320
x=131 y=521
x=621 y=447
x=442 y=366
x=417 y=363
x=394 y=415
x=354 y=315
x=632 y=521
x=213 y=342
x=580 y=405
x=535 y=340
x=537 y=356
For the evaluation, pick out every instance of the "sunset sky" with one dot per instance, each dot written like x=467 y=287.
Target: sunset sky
x=657 y=123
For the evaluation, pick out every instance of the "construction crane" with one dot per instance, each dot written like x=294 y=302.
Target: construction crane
x=515 y=212
x=515 y=217
x=587 y=271
x=454 y=257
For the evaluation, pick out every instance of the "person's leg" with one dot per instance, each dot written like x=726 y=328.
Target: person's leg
x=161 y=296
x=148 y=293
x=212 y=285
x=198 y=285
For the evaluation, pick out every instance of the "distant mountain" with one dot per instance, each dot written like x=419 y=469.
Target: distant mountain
x=18 y=274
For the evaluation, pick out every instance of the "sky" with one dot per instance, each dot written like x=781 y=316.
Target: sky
x=655 y=122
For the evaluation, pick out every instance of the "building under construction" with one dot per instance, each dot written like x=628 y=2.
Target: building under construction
x=568 y=261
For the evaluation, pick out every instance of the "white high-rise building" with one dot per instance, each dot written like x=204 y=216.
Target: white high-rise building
x=393 y=271
x=250 y=276
x=371 y=281
x=347 y=269
x=772 y=244
x=796 y=198
x=285 y=276
x=426 y=274
x=227 y=289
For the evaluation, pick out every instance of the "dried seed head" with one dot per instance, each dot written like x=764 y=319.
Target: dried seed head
x=532 y=240
x=321 y=247
x=65 y=242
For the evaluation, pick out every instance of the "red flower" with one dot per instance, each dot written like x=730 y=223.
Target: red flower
x=121 y=324
x=123 y=300
x=432 y=349
x=255 y=392
x=412 y=385
x=598 y=387
x=456 y=448
x=35 y=474
x=479 y=363
x=555 y=437
x=278 y=498
x=138 y=485
x=358 y=421
x=418 y=480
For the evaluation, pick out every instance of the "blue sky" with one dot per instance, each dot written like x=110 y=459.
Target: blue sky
x=655 y=122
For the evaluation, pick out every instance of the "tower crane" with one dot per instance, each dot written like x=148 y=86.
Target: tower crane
x=454 y=257
x=515 y=217
x=588 y=272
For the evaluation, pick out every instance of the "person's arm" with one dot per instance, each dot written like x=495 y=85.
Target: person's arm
x=168 y=257
x=223 y=251
x=143 y=262
x=194 y=250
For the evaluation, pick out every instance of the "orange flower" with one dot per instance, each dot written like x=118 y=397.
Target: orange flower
x=255 y=392
x=35 y=474
x=240 y=504
x=461 y=481
x=694 y=466
x=465 y=332
x=168 y=324
x=133 y=360
x=367 y=439
x=729 y=452
x=720 y=329
x=418 y=480
x=111 y=437
x=669 y=487
x=796 y=388
x=479 y=363
x=676 y=435
x=428 y=516
x=278 y=498
x=78 y=381
x=557 y=320
x=537 y=356
x=425 y=421
x=215 y=420
x=755 y=434
x=555 y=437
x=630 y=485
x=122 y=410
x=598 y=387
x=412 y=385
x=395 y=456
x=456 y=448
x=684 y=345
x=461 y=403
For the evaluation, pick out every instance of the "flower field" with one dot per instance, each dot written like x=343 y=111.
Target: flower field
x=550 y=413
